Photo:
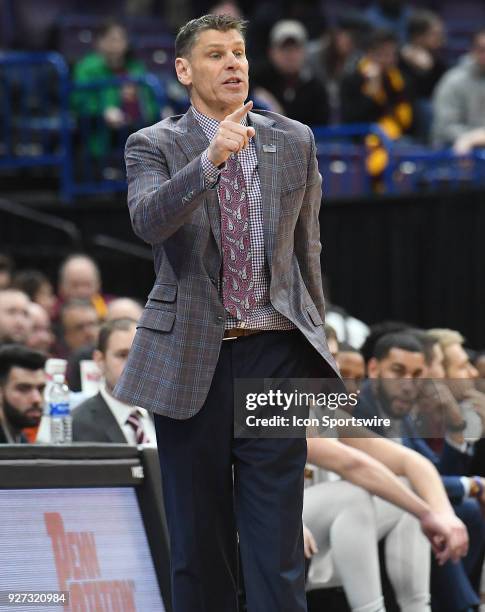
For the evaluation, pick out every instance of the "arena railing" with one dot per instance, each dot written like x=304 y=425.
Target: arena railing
x=34 y=113
x=342 y=155
x=38 y=220
x=44 y=122
x=342 y=159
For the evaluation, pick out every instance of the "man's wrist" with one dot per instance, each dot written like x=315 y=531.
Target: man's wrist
x=210 y=171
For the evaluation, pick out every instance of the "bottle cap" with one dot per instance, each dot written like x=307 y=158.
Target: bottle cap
x=55 y=366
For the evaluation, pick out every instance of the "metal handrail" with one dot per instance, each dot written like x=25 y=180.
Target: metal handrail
x=66 y=227
x=122 y=246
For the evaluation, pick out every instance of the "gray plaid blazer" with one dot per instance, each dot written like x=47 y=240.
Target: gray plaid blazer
x=176 y=347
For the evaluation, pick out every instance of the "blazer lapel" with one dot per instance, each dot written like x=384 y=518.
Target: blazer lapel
x=193 y=142
x=269 y=149
x=106 y=422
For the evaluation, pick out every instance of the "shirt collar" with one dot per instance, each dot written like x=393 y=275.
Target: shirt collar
x=210 y=125
x=120 y=410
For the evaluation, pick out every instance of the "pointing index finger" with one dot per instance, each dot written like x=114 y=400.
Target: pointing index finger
x=239 y=113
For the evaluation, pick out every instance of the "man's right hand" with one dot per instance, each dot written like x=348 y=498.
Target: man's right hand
x=231 y=136
x=447 y=534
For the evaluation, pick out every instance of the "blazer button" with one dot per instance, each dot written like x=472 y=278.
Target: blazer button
x=219 y=319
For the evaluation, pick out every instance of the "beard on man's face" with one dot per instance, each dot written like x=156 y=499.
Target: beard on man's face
x=18 y=419
x=394 y=402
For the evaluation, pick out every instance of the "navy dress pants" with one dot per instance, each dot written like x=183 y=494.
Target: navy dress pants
x=218 y=488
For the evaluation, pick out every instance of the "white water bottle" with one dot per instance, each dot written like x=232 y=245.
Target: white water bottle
x=59 y=407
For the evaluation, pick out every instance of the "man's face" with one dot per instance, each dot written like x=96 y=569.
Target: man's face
x=40 y=337
x=434 y=39
x=351 y=364
x=397 y=376
x=436 y=368
x=46 y=298
x=478 y=52
x=480 y=381
x=385 y=55
x=288 y=58
x=22 y=397
x=80 y=280
x=113 y=45
x=112 y=362
x=5 y=279
x=461 y=374
x=458 y=363
x=80 y=327
x=15 y=321
x=333 y=347
x=216 y=72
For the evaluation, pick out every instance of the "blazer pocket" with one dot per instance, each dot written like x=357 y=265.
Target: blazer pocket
x=314 y=315
x=161 y=293
x=291 y=189
x=158 y=320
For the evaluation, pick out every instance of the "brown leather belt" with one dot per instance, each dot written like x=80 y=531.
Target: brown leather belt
x=238 y=332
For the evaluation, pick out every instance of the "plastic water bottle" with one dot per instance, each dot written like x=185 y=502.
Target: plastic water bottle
x=59 y=407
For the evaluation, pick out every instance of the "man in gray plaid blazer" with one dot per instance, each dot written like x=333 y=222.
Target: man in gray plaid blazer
x=229 y=201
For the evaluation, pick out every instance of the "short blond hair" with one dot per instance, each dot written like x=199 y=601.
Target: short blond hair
x=446 y=337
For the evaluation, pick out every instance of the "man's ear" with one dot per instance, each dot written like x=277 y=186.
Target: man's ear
x=373 y=368
x=98 y=359
x=183 y=70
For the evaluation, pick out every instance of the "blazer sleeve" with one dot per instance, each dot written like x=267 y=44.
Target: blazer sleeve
x=159 y=204
x=307 y=232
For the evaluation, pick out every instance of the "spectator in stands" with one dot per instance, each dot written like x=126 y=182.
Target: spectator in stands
x=15 y=323
x=120 y=308
x=422 y=65
x=38 y=287
x=22 y=382
x=456 y=361
x=6 y=271
x=80 y=279
x=41 y=337
x=285 y=79
x=332 y=341
x=479 y=364
x=124 y=308
x=103 y=418
x=375 y=91
x=351 y=365
x=79 y=327
x=435 y=363
x=458 y=106
x=397 y=363
x=328 y=56
x=390 y=15
x=266 y=13
x=120 y=106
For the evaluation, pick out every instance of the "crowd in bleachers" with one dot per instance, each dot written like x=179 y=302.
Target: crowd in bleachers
x=437 y=404
x=412 y=70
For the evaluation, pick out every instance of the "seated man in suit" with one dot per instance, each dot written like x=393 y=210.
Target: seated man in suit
x=22 y=382
x=398 y=360
x=103 y=418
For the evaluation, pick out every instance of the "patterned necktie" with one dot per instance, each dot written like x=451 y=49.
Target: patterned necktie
x=237 y=272
x=134 y=420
